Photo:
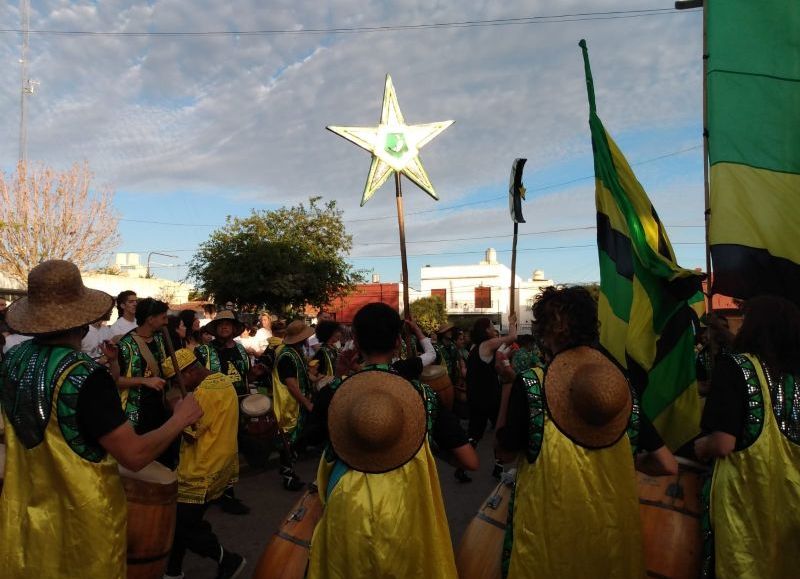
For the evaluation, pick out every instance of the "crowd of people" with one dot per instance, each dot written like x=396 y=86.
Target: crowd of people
x=80 y=397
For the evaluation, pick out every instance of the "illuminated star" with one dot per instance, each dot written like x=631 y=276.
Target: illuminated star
x=394 y=145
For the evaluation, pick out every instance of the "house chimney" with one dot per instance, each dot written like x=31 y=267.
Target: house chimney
x=376 y=278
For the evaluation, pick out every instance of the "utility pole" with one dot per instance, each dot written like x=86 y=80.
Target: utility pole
x=26 y=86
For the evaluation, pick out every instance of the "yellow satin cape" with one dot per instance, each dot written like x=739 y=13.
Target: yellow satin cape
x=388 y=526
x=576 y=513
x=755 y=494
x=60 y=515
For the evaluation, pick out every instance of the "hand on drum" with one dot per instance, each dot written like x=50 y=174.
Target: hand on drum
x=188 y=410
x=154 y=382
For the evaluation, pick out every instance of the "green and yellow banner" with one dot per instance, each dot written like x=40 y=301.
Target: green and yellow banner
x=753 y=84
x=647 y=301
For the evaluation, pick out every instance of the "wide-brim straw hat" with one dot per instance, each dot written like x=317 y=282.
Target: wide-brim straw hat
x=296 y=332
x=57 y=301
x=185 y=358
x=588 y=397
x=224 y=316
x=444 y=328
x=377 y=421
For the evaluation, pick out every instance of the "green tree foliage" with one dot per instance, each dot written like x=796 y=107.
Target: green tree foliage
x=429 y=313
x=281 y=259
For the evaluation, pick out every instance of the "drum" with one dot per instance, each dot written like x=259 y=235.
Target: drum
x=152 y=494
x=286 y=554
x=259 y=421
x=670 y=508
x=436 y=377
x=479 y=556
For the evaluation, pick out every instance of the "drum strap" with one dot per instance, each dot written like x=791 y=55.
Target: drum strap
x=339 y=470
x=147 y=354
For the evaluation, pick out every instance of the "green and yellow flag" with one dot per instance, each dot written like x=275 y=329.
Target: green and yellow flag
x=646 y=299
x=754 y=146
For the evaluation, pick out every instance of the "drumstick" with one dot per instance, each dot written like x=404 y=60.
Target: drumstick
x=171 y=352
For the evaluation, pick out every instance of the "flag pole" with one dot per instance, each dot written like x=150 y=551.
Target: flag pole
x=402 y=226
x=512 y=302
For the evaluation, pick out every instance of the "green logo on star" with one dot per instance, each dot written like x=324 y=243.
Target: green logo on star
x=395 y=144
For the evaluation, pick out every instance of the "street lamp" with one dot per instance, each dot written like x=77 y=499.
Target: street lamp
x=152 y=253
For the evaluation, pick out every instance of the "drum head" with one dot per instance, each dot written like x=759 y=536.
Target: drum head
x=432 y=372
x=256 y=405
x=155 y=472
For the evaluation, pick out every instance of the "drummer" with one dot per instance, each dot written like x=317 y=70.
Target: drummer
x=329 y=336
x=207 y=464
x=384 y=515
x=229 y=357
x=291 y=391
x=576 y=509
x=62 y=510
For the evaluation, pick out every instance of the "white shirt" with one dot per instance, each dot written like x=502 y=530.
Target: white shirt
x=14 y=339
x=94 y=337
x=204 y=321
x=121 y=327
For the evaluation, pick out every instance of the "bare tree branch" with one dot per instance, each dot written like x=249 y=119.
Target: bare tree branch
x=47 y=214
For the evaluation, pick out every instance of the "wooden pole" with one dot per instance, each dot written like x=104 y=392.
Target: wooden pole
x=706 y=177
x=402 y=226
x=513 y=302
x=171 y=354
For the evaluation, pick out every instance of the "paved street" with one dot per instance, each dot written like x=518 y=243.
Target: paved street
x=261 y=490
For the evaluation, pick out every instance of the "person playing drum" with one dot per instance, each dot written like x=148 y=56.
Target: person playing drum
x=576 y=508
x=384 y=515
x=206 y=467
x=63 y=510
x=752 y=417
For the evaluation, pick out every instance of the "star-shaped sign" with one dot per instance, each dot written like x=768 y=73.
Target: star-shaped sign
x=394 y=145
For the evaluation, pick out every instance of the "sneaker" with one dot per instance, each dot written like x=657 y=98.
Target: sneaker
x=462 y=476
x=292 y=482
x=230 y=565
x=497 y=471
x=233 y=506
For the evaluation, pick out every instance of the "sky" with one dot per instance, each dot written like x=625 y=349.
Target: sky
x=188 y=129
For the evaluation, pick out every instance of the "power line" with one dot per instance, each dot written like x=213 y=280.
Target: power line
x=526 y=20
x=448 y=208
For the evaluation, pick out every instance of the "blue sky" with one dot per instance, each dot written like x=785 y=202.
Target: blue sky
x=189 y=130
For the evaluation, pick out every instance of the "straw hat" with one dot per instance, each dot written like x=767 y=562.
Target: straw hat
x=185 y=359
x=57 y=301
x=224 y=316
x=297 y=332
x=444 y=328
x=376 y=421
x=588 y=397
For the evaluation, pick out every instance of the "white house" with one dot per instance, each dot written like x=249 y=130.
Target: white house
x=472 y=291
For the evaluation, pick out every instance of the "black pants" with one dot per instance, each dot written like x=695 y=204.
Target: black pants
x=483 y=407
x=194 y=533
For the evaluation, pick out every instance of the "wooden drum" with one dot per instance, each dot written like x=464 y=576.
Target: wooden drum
x=258 y=417
x=152 y=494
x=479 y=556
x=436 y=377
x=670 y=509
x=286 y=555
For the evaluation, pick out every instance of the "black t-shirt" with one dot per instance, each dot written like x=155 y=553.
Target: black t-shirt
x=99 y=409
x=514 y=435
x=726 y=405
x=286 y=369
x=152 y=412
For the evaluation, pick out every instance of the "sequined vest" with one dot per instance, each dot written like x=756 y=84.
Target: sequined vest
x=62 y=509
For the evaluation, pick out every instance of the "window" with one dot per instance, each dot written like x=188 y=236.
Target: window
x=483 y=297
x=441 y=294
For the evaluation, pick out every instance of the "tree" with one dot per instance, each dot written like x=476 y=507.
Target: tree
x=281 y=259
x=48 y=214
x=429 y=313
